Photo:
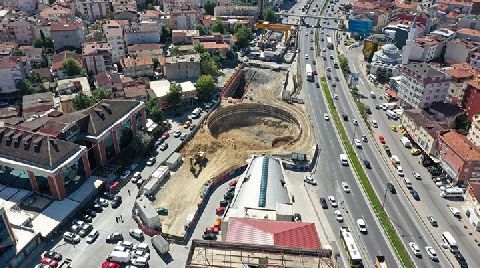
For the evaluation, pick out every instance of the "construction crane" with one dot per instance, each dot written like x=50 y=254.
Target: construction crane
x=286 y=28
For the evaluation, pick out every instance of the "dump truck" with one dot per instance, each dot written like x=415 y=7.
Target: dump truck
x=380 y=262
x=160 y=244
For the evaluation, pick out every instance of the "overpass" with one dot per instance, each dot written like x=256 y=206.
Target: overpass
x=307 y=16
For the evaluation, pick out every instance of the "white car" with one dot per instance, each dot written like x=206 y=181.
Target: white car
x=141 y=246
x=326 y=117
x=335 y=96
x=362 y=226
x=102 y=202
x=431 y=253
x=136 y=233
x=455 y=211
x=415 y=249
x=140 y=182
x=364 y=138
x=177 y=134
x=374 y=123
x=141 y=253
x=355 y=122
x=139 y=261
x=333 y=202
x=400 y=171
x=345 y=187
x=126 y=244
x=306 y=56
x=416 y=175
x=92 y=236
x=137 y=175
x=357 y=143
x=310 y=180
x=151 y=161
x=338 y=215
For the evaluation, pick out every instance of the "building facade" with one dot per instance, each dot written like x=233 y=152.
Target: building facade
x=474 y=132
x=471 y=98
x=97 y=56
x=186 y=67
x=422 y=128
x=11 y=73
x=93 y=9
x=68 y=35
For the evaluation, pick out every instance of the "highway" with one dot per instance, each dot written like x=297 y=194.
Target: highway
x=431 y=203
x=329 y=172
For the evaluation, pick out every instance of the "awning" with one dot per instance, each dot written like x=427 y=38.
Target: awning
x=391 y=93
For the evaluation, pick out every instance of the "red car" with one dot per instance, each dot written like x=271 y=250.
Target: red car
x=220 y=211
x=381 y=139
x=113 y=186
x=50 y=262
x=110 y=264
x=165 y=135
x=233 y=183
x=211 y=230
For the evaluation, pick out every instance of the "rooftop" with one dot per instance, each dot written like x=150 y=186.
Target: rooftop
x=463 y=147
x=470 y=32
x=462 y=70
x=66 y=26
x=424 y=70
x=140 y=47
x=132 y=62
x=422 y=119
x=38 y=102
x=474 y=190
x=183 y=58
x=90 y=48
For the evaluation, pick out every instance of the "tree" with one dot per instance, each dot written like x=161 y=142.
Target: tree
x=243 y=35
x=175 y=51
x=110 y=15
x=71 y=67
x=18 y=53
x=82 y=101
x=165 y=33
x=382 y=76
x=201 y=29
x=198 y=48
x=209 y=6
x=217 y=26
x=43 y=42
x=269 y=15
x=155 y=63
x=98 y=95
x=153 y=111
x=174 y=95
x=343 y=64
x=206 y=87
x=209 y=64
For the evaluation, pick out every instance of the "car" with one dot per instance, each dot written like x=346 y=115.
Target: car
x=126 y=244
x=336 y=78
x=140 y=182
x=415 y=249
x=192 y=126
x=364 y=138
x=461 y=260
x=141 y=253
x=332 y=200
x=141 y=246
x=400 y=171
x=415 y=194
x=306 y=56
x=393 y=128
x=378 y=107
x=326 y=117
x=334 y=85
x=228 y=196
x=86 y=217
x=101 y=201
x=139 y=261
x=416 y=175
x=324 y=49
x=162 y=211
x=52 y=255
x=455 y=211
x=329 y=69
x=335 y=96
x=183 y=136
x=151 y=161
x=331 y=57
x=432 y=221
x=136 y=233
x=362 y=226
x=345 y=187
x=374 y=123
x=97 y=207
x=223 y=203
x=317 y=85
x=367 y=110
x=187 y=124
x=338 y=215
x=381 y=139
x=311 y=48
x=345 y=117
x=387 y=150
x=71 y=237
x=416 y=151
x=163 y=147
x=117 y=201
x=124 y=174
x=114 y=238
x=85 y=230
x=367 y=164
x=92 y=236
x=391 y=188
x=209 y=236
x=233 y=183
x=308 y=179
x=49 y=262
x=355 y=122
x=177 y=134
x=357 y=143
x=323 y=202
x=137 y=175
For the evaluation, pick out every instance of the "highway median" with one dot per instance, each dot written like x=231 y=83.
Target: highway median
x=373 y=198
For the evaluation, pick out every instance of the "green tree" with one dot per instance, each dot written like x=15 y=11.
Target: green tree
x=217 y=26
x=206 y=87
x=71 y=67
x=156 y=63
x=110 y=15
x=269 y=15
x=174 y=95
x=382 y=75
x=209 y=7
x=343 y=64
x=347 y=7
x=82 y=101
x=209 y=64
x=18 y=53
x=154 y=112
x=198 y=48
x=166 y=34
x=98 y=95
x=175 y=51
x=201 y=29
x=243 y=35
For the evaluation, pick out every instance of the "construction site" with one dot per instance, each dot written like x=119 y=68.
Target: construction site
x=250 y=119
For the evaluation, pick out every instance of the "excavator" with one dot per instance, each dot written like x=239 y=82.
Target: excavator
x=199 y=160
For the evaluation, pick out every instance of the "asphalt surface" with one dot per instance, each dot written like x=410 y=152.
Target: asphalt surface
x=431 y=203
x=330 y=174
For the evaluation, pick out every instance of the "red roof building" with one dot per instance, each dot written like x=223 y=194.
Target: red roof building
x=275 y=233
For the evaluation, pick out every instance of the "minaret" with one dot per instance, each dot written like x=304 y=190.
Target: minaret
x=408 y=45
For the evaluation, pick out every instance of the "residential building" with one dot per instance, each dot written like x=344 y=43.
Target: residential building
x=93 y=9
x=474 y=132
x=136 y=67
x=460 y=73
x=115 y=39
x=112 y=24
x=237 y=10
x=458 y=50
x=185 y=67
x=36 y=104
x=136 y=92
x=426 y=49
x=12 y=72
x=160 y=88
x=444 y=34
x=472 y=204
x=422 y=128
x=217 y=47
x=184 y=37
x=111 y=82
x=422 y=85
x=57 y=13
x=97 y=56
x=446 y=113
x=475 y=58
x=68 y=35
x=23 y=31
x=459 y=157
x=27 y=6
x=157 y=15
x=67 y=89
x=143 y=33
x=471 y=21
x=468 y=34
x=34 y=55
x=57 y=63
x=186 y=18
x=378 y=11
x=140 y=50
x=169 y=5
x=445 y=6
x=471 y=98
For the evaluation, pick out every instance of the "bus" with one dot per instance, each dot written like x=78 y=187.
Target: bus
x=351 y=248
x=329 y=42
x=452 y=193
x=309 y=72
x=449 y=241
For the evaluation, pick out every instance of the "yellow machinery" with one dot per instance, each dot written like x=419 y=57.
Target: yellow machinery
x=198 y=160
x=265 y=25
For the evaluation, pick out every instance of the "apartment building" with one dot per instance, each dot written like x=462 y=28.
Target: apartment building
x=97 y=56
x=23 y=31
x=460 y=50
x=237 y=10
x=115 y=38
x=143 y=33
x=426 y=49
x=186 y=18
x=468 y=34
x=471 y=98
x=57 y=13
x=12 y=72
x=185 y=67
x=93 y=9
x=421 y=86
x=474 y=132
x=184 y=37
x=422 y=128
x=137 y=67
x=68 y=35
x=145 y=50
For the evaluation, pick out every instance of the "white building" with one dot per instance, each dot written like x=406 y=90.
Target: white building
x=388 y=58
x=474 y=133
x=426 y=49
x=421 y=85
x=117 y=43
x=93 y=9
x=97 y=56
x=143 y=33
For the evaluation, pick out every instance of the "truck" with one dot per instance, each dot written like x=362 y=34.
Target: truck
x=309 y=72
x=119 y=256
x=380 y=262
x=160 y=244
x=406 y=142
x=329 y=42
x=157 y=177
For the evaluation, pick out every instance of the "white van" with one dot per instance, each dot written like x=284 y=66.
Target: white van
x=344 y=159
x=395 y=160
x=400 y=171
x=374 y=123
x=119 y=256
x=408 y=183
x=372 y=94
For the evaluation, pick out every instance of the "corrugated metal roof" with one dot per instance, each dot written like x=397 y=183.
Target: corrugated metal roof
x=275 y=233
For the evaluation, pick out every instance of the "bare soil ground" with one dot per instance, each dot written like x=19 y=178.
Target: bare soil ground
x=231 y=147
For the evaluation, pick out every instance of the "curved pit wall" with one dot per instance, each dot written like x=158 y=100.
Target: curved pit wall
x=226 y=118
